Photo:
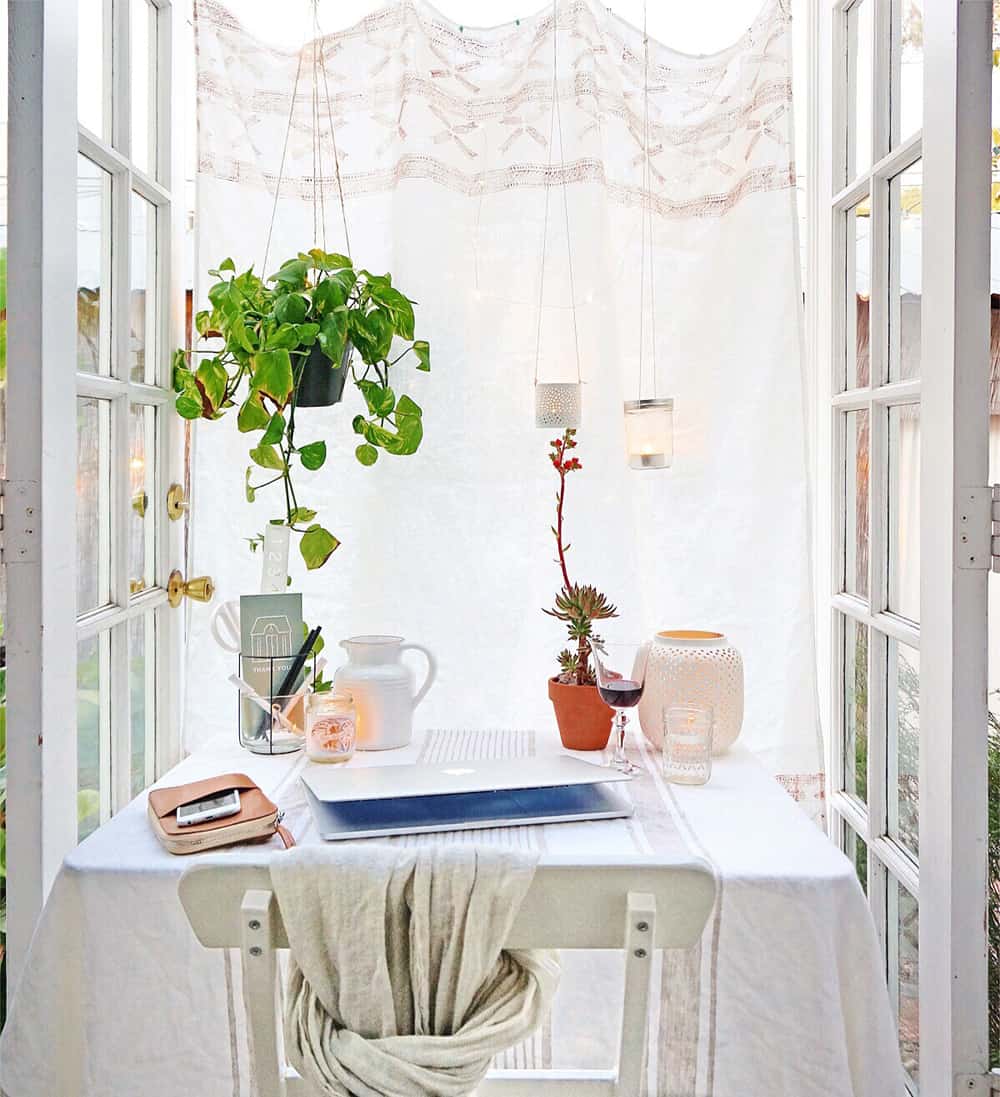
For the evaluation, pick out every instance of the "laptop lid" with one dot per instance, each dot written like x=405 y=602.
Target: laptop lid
x=338 y=784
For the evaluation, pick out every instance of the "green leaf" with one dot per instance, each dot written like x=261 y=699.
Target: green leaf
x=328 y=295
x=334 y=261
x=422 y=349
x=302 y=514
x=358 y=424
x=307 y=334
x=275 y=430
x=371 y=333
x=248 y=487
x=286 y=337
x=313 y=455
x=292 y=308
x=400 y=308
x=316 y=546
x=409 y=428
x=267 y=457
x=367 y=454
x=252 y=415
x=201 y=322
x=380 y=400
x=293 y=274
x=188 y=407
x=272 y=374
x=180 y=370
x=213 y=378
x=227 y=264
x=332 y=335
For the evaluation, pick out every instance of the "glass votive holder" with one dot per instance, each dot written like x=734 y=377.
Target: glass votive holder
x=331 y=727
x=687 y=744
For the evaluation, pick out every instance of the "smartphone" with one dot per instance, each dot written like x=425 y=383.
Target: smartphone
x=203 y=811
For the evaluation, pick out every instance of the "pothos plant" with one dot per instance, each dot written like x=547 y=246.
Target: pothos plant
x=268 y=331
x=578 y=605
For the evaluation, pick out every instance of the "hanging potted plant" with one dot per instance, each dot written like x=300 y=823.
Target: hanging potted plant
x=288 y=343
x=584 y=719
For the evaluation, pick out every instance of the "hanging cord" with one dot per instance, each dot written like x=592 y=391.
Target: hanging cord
x=556 y=122
x=647 y=218
x=336 y=155
x=281 y=169
x=317 y=136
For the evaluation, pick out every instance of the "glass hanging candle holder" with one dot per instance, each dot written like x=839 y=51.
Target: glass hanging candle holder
x=649 y=433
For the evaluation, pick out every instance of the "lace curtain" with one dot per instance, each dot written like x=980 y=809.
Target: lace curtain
x=446 y=147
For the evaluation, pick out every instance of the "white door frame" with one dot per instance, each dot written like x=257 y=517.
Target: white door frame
x=40 y=493
x=954 y=400
x=39 y=533
x=954 y=456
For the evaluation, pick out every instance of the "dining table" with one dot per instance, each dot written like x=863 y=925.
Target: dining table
x=784 y=996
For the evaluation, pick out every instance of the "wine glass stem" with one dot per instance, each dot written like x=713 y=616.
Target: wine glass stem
x=621 y=720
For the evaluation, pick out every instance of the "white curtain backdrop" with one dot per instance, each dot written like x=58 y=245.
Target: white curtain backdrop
x=443 y=134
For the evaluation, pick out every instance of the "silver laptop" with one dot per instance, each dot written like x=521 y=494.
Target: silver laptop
x=380 y=801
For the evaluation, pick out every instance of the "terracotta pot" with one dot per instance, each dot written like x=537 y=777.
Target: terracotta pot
x=584 y=719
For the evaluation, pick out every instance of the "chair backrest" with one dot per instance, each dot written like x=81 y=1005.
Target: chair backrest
x=633 y=905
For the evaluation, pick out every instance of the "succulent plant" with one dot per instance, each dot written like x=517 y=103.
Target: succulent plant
x=578 y=605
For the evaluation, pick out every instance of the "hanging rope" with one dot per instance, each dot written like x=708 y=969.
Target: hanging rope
x=555 y=123
x=646 y=226
x=318 y=180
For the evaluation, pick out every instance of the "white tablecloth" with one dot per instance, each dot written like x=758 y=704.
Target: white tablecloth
x=783 y=998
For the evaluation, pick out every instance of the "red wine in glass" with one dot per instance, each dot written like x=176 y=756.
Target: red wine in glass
x=620 y=692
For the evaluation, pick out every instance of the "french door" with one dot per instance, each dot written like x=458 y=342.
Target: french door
x=93 y=444
x=902 y=341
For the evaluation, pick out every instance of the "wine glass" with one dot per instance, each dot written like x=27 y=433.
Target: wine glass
x=620 y=670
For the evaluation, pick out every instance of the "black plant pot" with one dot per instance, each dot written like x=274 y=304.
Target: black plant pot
x=322 y=384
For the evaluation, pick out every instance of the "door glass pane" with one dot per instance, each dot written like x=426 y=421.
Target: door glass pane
x=856 y=503
x=142 y=698
x=143 y=85
x=859 y=84
x=910 y=83
x=903 y=701
x=856 y=709
x=907 y=193
x=93 y=503
x=93 y=729
x=93 y=68
x=856 y=849
x=93 y=268
x=904 y=933
x=142 y=517
x=904 y=510
x=142 y=297
x=858 y=295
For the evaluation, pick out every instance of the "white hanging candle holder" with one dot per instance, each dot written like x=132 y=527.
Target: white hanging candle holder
x=649 y=423
x=558 y=404
x=649 y=433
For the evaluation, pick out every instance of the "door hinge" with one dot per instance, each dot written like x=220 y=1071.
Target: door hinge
x=20 y=530
x=977 y=1085
x=977 y=529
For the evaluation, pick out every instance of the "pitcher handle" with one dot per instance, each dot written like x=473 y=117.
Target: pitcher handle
x=431 y=670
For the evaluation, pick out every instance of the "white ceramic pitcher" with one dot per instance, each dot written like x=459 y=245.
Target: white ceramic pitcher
x=383 y=689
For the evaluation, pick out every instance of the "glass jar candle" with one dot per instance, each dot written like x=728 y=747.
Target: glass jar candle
x=331 y=727
x=687 y=744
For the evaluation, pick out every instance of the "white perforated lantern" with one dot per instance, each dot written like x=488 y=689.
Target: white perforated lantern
x=691 y=667
x=558 y=404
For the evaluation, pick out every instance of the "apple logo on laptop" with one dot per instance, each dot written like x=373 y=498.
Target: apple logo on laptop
x=458 y=772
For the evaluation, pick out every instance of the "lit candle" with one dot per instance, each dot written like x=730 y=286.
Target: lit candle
x=649 y=433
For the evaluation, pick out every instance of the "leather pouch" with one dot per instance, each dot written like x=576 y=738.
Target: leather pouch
x=257 y=820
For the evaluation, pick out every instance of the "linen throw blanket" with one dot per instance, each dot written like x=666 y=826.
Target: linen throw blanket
x=398 y=984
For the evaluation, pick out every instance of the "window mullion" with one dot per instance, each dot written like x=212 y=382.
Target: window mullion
x=121 y=78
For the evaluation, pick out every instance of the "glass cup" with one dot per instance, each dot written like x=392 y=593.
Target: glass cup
x=331 y=727
x=687 y=744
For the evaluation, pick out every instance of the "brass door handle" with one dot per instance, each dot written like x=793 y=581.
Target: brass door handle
x=176 y=502
x=199 y=589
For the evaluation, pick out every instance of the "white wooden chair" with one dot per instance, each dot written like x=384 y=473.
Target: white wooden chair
x=632 y=905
